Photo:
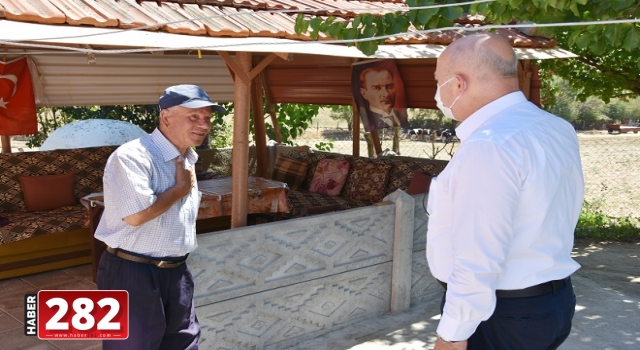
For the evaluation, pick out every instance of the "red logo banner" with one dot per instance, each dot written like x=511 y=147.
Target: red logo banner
x=77 y=314
x=17 y=102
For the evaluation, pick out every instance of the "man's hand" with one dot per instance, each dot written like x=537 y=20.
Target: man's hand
x=185 y=178
x=440 y=345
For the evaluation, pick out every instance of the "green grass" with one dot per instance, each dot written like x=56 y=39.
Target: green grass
x=595 y=225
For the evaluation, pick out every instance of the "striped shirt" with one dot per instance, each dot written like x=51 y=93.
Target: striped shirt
x=135 y=173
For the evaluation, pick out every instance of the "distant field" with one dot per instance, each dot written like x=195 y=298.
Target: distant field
x=611 y=163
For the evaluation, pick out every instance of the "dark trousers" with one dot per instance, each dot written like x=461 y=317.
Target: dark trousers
x=161 y=309
x=535 y=323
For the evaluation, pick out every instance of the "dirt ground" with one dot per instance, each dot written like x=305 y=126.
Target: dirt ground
x=615 y=266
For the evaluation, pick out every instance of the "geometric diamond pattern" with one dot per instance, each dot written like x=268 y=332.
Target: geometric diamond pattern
x=274 y=285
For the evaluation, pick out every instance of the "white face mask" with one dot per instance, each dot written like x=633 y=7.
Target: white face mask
x=445 y=110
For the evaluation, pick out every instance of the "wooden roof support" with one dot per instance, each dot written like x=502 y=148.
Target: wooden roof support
x=6 y=140
x=242 y=69
x=355 y=128
x=240 y=156
x=524 y=77
x=259 y=130
x=6 y=144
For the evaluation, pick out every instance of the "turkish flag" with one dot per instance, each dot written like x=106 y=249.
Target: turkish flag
x=17 y=102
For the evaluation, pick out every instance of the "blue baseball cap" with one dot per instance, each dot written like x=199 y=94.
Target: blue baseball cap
x=188 y=96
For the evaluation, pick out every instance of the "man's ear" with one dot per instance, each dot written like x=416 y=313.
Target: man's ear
x=363 y=91
x=164 y=117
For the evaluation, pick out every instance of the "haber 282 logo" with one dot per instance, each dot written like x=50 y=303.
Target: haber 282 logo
x=77 y=314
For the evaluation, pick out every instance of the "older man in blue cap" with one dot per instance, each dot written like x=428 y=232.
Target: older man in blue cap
x=151 y=203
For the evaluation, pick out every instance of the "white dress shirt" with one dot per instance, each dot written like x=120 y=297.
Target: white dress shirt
x=135 y=173
x=503 y=212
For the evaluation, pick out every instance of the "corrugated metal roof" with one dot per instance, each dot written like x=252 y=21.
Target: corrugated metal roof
x=244 y=18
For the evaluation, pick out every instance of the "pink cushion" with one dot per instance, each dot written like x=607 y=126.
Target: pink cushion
x=329 y=177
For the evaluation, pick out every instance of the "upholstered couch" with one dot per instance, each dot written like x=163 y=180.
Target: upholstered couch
x=368 y=180
x=44 y=226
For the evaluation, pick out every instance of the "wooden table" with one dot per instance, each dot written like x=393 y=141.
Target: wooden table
x=264 y=196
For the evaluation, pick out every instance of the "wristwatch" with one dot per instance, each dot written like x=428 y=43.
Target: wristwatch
x=446 y=341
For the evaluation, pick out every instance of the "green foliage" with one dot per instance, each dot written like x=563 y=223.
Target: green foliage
x=144 y=116
x=49 y=119
x=558 y=98
x=344 y=113
x=607 y=65
x=424 y=118
x=293 y=120
x=594 y=224
x=325 y=146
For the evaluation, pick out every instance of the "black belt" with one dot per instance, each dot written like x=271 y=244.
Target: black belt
x=533 y=291
x=165 y=264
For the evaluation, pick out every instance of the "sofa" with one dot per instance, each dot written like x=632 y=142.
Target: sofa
x=43 y=225
x=366 y=180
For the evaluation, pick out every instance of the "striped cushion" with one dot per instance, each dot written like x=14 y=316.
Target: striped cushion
x=290 y=171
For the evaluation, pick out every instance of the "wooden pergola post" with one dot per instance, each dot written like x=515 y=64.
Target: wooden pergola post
x=355 y=127
x=6 y=144
x=243 y=74
x=240 y=156
x=259 y=130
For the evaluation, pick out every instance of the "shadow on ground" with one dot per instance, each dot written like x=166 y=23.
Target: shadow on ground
x=607 y=315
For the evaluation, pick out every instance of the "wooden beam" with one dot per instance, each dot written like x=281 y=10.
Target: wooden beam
x=287 y=56
x=262 y=65
x=248 y=76
x=6 y=140
x=355 y=131
x=240 y=156
x=272 y=111
x=259 y=130
x=235 y=67
x=6 y=144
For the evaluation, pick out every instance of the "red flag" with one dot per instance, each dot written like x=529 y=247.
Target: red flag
x=17 y=102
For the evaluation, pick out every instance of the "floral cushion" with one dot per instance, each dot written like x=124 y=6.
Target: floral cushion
x=329 y=177
x=368 y=180
x=314 y=158
x=402 y=171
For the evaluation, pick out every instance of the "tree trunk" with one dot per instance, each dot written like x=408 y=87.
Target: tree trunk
x=367 y=137
x=396 y=140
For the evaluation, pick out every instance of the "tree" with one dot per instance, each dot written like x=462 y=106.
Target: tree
x=588 y=112
x=292 y=118
x=558 y=98
x=607 y=65
x=343 y=113
x=616 y=111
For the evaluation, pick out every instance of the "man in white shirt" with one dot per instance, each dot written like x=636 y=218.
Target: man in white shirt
x=503 y=212
x=149 y=224
x=377 y=86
